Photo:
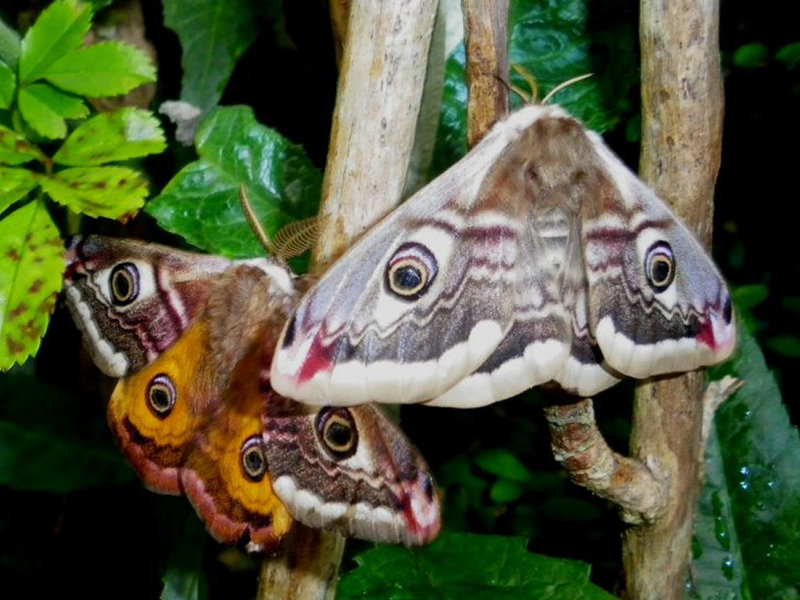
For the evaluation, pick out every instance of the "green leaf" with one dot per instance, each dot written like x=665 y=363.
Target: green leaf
x=58 y=447
x=785 y=344
x=557 y=41
x=503 y=463
x=760 y=452
x=467 y=566
x=791 y=303
x=505 y=491
x=14 y=184
x=120 y=135
x=109 y=192
x=184 y=578
x=718 y=567
x=105 y=69
x=789 y=55
x=201 y=203
x=15 y=149
x=31 y=264
x=58 y=31
x=9 y=45
x=747 y=297
x=213 y=35
x=45 y=108
x=553 y=42
x=751 y=56
x=8 y=85
x=451 y=136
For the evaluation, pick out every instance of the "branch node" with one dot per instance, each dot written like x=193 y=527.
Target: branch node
x=579 y=447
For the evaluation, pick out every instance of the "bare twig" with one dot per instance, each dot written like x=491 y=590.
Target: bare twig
x=382 y=75
x=580 y=449
x=681 y=134
x=486 y=39
x=380 y=86
x=716 y=393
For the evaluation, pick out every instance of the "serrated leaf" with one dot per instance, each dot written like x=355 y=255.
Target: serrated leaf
x=40 y=117
x=31 y=264
x=467 y=566
x=14 y=184
x=8 y=85
x=15 y=149
x=120 y=135
x=201 y=203
x=760 y=452
x=105 y=69
x=109 y=192
x=45 y=109
x=213 y=35
x=58 y=31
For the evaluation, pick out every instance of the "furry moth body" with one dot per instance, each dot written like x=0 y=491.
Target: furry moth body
x=538 y=257
x=191 y=338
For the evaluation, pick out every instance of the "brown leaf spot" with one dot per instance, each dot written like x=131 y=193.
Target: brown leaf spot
x=14 y=347
x=36 y=286
x=123 y=182
x=31 y=330
x=100 y=185
x=50 y=303
x=13 y=254
x=21 y=309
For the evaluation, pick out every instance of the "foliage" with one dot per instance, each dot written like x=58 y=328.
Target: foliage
x=46 y=79
x=66 y=492
x=498 y=567
x=201 y=203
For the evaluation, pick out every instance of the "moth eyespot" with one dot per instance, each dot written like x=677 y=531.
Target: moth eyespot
x=337 y=432
x=411 y=271
x=161 y=395
x=124 y=283
x=254 y=459
x=660 y=266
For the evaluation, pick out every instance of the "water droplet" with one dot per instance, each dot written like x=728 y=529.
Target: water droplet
x=727 y=568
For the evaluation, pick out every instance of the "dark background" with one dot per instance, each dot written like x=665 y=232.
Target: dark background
x=115 y=541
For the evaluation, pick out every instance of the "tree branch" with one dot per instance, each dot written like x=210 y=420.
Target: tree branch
x=581 y=450
x=486 y=41
x=380 y=88
x=682 y=102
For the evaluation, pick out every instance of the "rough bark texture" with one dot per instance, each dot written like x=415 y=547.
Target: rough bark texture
x=380 y=87
x=581 y=450
x=486 y=40
x=682 y=102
